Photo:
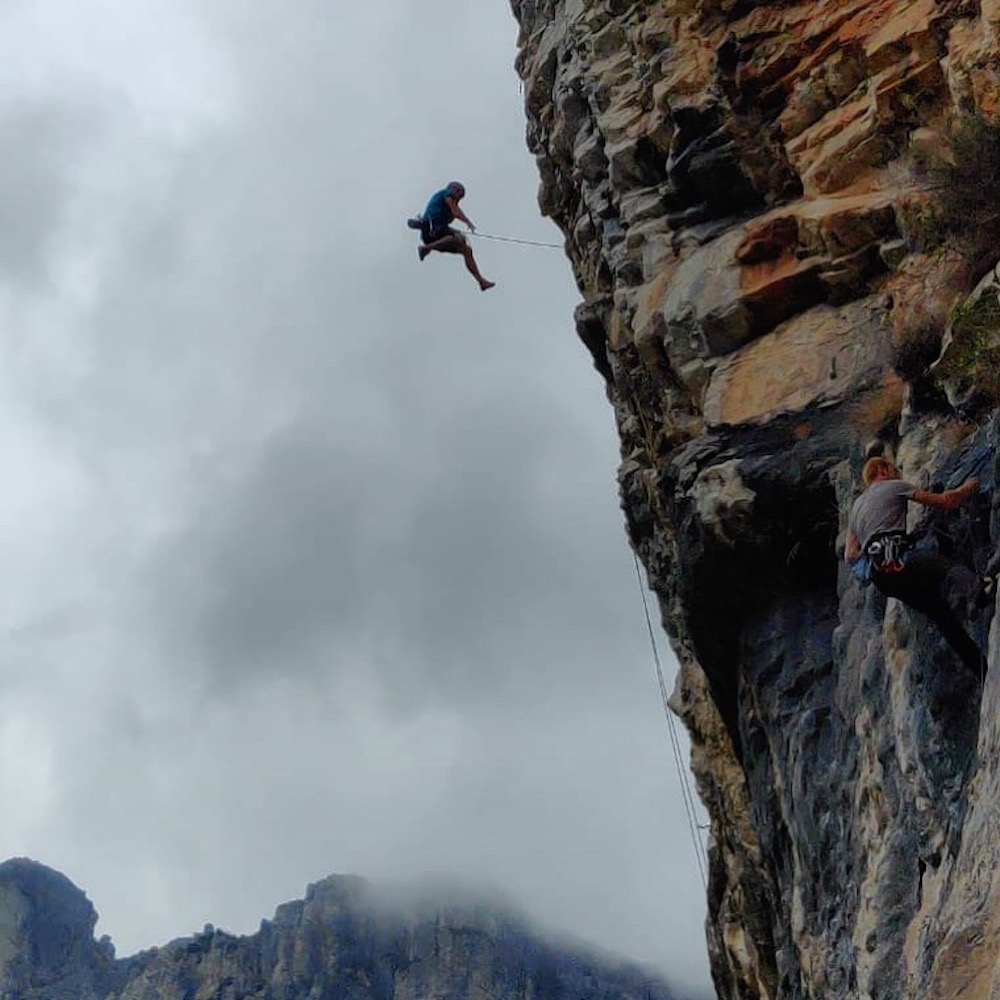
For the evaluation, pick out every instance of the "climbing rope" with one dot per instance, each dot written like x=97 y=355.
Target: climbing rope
x=512 y=239
x=686 y=793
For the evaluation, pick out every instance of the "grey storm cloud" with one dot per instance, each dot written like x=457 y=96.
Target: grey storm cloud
x=272 y=568
x=313 y=555
x=315 y=544
x=43 y=145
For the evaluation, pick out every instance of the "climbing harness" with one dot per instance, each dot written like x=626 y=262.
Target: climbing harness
x=687 y=794
x=887 y=551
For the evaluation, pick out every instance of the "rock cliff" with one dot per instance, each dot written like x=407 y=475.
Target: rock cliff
x=347 y=940
x=783 y=219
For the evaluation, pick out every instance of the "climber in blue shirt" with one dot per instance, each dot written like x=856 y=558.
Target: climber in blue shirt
x=436 y=232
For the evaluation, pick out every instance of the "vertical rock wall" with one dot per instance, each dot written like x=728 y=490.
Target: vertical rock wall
x=784 y=220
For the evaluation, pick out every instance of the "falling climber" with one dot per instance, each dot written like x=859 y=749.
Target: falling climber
x=436 y=232
x=880 y=551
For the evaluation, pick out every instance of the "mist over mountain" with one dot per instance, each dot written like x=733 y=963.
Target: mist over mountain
x=348 y=939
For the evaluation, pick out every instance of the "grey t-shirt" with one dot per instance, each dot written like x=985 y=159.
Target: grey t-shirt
x=882 y=507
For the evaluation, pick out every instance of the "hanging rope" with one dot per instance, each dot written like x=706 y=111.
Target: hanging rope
x=686 y=793
x=512 y=239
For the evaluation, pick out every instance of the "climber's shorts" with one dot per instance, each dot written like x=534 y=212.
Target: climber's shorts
x=429 y=235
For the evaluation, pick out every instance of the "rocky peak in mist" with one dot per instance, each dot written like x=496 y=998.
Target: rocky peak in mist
x=348 y=939
x=47 y=944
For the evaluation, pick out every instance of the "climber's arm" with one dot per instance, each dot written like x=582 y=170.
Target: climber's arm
x=949 y=499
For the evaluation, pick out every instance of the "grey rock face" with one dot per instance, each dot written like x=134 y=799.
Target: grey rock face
x=347 y=940
x=47 y=945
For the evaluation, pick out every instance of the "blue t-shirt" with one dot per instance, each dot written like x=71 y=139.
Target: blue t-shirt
x=437 y=212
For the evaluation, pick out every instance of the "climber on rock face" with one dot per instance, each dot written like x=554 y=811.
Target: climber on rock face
x=436 y=232
x=876 y=532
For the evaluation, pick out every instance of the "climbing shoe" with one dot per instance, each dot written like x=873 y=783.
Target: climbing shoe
x=415 y=223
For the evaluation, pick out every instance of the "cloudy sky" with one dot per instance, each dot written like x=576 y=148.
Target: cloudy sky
x=310 y=554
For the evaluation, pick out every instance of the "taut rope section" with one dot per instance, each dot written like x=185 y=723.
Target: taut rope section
x=513 y=239
x=686 y=792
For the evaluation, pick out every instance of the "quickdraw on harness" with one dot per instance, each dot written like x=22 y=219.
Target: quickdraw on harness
x=887 y=551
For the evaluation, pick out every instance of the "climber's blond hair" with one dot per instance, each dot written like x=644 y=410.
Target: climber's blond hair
x=875 y=468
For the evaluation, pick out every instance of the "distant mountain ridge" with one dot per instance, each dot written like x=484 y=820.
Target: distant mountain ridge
x=347 y=940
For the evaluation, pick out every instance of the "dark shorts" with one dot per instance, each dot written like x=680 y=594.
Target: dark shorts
x=431 y=235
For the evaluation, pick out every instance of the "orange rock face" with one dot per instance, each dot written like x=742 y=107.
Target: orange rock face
x=785 y=221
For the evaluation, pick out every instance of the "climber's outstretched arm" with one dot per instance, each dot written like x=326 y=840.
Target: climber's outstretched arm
x=949 y=499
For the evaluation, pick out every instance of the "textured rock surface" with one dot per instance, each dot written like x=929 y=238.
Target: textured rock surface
x=784 y=226
x=345 y=941
x=47 y=945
